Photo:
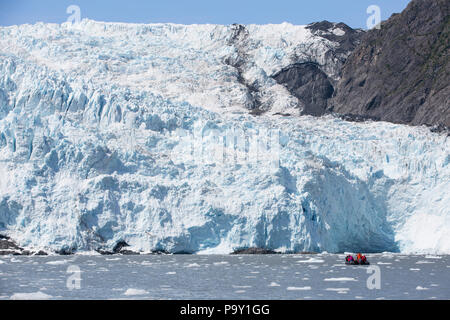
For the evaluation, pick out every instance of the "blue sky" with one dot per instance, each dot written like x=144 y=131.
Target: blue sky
x=352 y=12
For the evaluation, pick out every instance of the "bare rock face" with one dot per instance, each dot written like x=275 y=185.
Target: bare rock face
x=312 y=83
x=254 y=251
x=400 y=73
x=347 y=38
x=7 y=246
x=309 y=84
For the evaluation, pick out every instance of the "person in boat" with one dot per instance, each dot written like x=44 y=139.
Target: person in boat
x=361 y=259
x=349 y=258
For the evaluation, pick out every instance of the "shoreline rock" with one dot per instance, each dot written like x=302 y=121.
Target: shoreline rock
x=254 y=251
x=399 y=73
x=9 y=247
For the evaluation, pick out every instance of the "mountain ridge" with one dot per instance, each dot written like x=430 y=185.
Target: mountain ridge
x=400 y=72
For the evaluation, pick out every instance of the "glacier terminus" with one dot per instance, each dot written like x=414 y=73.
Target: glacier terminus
x=179 y=139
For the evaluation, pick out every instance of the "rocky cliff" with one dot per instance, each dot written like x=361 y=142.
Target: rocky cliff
x=400 y=72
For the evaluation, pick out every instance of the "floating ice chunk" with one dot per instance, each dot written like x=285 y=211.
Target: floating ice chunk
x=171 y=272
x=339 y=279
x=432 y=257
x=273 y=284
x=298 y=288
x=339 y=290
x=387 y=253
x=57 y=262
x=88 y=253
x=135 y=292
x=192 y=265
x=31 y=296
x=311 y=260
x=421 y=288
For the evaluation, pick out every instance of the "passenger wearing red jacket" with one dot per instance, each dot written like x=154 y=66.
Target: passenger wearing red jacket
x=361 y=259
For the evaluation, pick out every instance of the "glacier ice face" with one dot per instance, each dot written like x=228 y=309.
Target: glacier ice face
x=141 y=133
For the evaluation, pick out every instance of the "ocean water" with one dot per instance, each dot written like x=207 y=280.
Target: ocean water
x=267 y=277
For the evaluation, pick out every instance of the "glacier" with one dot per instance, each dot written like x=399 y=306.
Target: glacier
x=115 y=132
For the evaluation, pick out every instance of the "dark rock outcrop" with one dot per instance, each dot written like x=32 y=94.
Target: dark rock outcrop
x=309 y=84
x=119 y=248
x=253 y=251
x=41 y=253
x=348 y=40
x=7 y=246
x=159 y=252
x=400 y=73
x=240 y=62
x=66 y=251
x=129 y=252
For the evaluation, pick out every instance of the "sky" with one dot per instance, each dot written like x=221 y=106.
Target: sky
x=352 y=12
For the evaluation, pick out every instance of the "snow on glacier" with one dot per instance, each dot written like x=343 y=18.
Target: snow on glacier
x=140 y=133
